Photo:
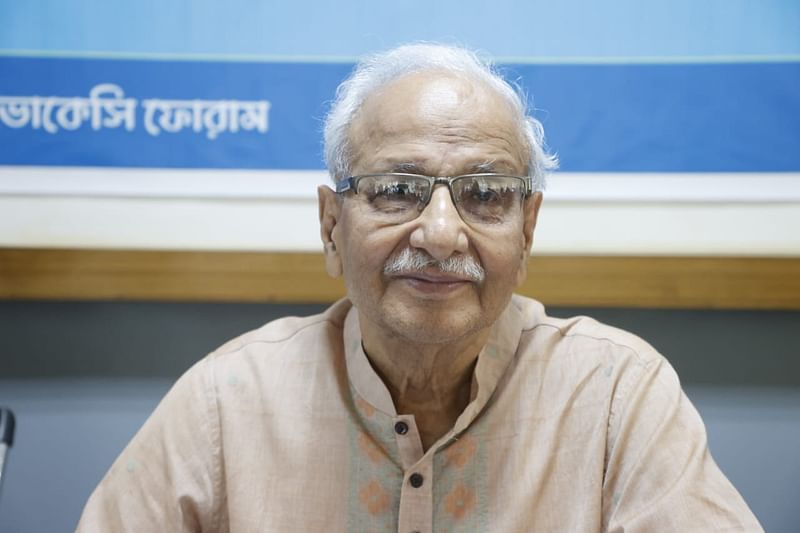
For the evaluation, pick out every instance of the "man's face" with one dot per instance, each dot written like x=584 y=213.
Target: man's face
x=438 y=125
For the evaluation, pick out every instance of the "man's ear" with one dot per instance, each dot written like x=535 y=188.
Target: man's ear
x=329 y=212
x=530 y=215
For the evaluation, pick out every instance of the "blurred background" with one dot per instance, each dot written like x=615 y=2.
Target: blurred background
x=158 y=168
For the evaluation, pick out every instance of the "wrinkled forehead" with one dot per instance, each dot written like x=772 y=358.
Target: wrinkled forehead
x=438 y=107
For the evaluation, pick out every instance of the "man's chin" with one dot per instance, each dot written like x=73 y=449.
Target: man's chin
x=432 y=325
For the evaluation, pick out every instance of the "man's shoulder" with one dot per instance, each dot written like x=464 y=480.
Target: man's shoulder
x=276 y=333
x=581 y=333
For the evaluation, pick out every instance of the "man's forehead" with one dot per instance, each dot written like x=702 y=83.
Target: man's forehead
x=443 y=93
x=405 y=119
x=429 y=93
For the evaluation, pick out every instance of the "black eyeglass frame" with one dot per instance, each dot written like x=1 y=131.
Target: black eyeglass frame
x=351 y=183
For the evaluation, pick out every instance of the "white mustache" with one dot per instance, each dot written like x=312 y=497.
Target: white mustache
x=418 y=261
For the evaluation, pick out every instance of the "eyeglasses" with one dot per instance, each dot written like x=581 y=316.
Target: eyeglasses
x=482 y=199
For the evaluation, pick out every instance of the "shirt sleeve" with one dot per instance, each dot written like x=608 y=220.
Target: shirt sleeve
x=168 y=477
x=659 y=473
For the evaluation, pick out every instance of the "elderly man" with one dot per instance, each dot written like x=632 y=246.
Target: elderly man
x=431 y=399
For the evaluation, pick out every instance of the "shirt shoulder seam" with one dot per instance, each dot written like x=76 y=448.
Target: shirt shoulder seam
x=212 y=421
x=609 y=340
x=285 y=338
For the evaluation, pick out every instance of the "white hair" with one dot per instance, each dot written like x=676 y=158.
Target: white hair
x=375 y=71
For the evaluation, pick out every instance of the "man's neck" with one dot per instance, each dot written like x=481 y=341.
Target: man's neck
x=433 y=382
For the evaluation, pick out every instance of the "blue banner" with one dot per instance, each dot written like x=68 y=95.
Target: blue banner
x=725 y=117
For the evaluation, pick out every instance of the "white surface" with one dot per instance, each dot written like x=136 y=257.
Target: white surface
x=295 y=184
x=664 y=214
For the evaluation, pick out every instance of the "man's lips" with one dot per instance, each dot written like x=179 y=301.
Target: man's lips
x=431 y=277
x=433 y=285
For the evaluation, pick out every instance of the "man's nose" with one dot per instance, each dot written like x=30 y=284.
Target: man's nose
x=440 y=230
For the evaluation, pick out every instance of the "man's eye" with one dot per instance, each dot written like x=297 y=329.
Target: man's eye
x=395 y=190
x=485 y=195
x=386 y=196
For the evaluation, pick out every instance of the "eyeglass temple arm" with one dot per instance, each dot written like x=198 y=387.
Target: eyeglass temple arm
x=346 y=184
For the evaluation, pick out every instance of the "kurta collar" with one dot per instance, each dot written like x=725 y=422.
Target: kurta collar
x=493 y=361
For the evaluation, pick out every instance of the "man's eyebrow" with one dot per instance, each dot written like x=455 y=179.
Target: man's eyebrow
x=494 y=166
x=407 y=168
x=487 y=167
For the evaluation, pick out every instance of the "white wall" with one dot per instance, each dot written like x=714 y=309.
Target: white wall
x=648 y=214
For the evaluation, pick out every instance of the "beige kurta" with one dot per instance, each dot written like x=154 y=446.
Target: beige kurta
x=573 y=426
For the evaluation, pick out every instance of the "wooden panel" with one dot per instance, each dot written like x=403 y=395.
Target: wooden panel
x=666 y=282
x=160 y=275
x=652 y=282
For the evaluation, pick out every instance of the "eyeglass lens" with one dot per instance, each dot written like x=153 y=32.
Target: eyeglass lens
x=478 y=199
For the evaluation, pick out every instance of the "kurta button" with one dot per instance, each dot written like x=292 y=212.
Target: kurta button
x=416 y=480
x=401 y=428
